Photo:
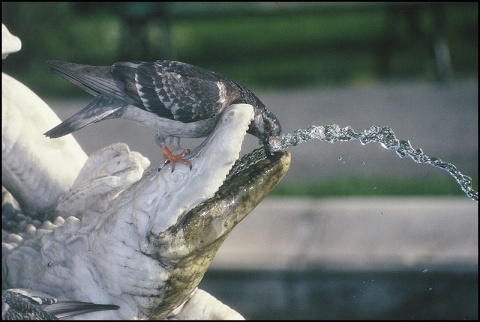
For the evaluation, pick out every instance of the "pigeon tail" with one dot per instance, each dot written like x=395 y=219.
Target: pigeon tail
x=100 y=108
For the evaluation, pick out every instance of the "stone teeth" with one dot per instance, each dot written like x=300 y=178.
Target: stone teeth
x=72 y=224
x=14 y=238
x=30 y=230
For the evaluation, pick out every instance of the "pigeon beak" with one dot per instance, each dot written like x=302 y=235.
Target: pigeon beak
x=272 y=144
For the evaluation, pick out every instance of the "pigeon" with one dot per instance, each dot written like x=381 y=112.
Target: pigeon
x=22 y=304
x=175 y=99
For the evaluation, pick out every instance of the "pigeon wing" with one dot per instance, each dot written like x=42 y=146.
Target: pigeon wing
x=175 y=90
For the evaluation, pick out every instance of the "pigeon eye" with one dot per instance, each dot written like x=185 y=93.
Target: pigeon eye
x=267 y=126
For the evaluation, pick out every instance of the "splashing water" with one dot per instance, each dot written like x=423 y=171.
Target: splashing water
x=384 y=136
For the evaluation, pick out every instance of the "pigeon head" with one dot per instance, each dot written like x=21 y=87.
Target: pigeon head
x=265 y=124
x=266 y=127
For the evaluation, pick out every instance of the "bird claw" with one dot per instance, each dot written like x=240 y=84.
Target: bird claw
x=163 y=166
x=171 y=158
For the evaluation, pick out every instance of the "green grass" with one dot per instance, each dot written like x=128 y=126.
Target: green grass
x=351 y=186
x=260 y=51
x=287 y=52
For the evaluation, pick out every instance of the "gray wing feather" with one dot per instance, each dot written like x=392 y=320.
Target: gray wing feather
x=94 y=80
x=173 y=90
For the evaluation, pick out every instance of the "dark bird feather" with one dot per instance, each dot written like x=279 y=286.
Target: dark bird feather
x=19 y=304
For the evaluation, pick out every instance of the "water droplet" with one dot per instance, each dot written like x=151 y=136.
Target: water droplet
x=430 y=289
x=425 y=270
x=340 y=159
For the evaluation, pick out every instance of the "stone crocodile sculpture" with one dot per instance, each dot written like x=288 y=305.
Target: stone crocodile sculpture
x=124 y=235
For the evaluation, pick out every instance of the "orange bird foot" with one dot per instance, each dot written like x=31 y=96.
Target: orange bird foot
x=176 y=158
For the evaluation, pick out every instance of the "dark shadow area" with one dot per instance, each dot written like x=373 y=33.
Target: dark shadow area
x=416 y=293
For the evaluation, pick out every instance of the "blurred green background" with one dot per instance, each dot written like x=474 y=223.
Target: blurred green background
x=266 y=46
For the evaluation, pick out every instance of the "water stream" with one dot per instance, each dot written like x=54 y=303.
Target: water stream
x=384 y=136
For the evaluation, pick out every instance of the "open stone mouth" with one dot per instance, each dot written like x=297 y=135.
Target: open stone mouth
x=250 y=179
x=204 y=228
